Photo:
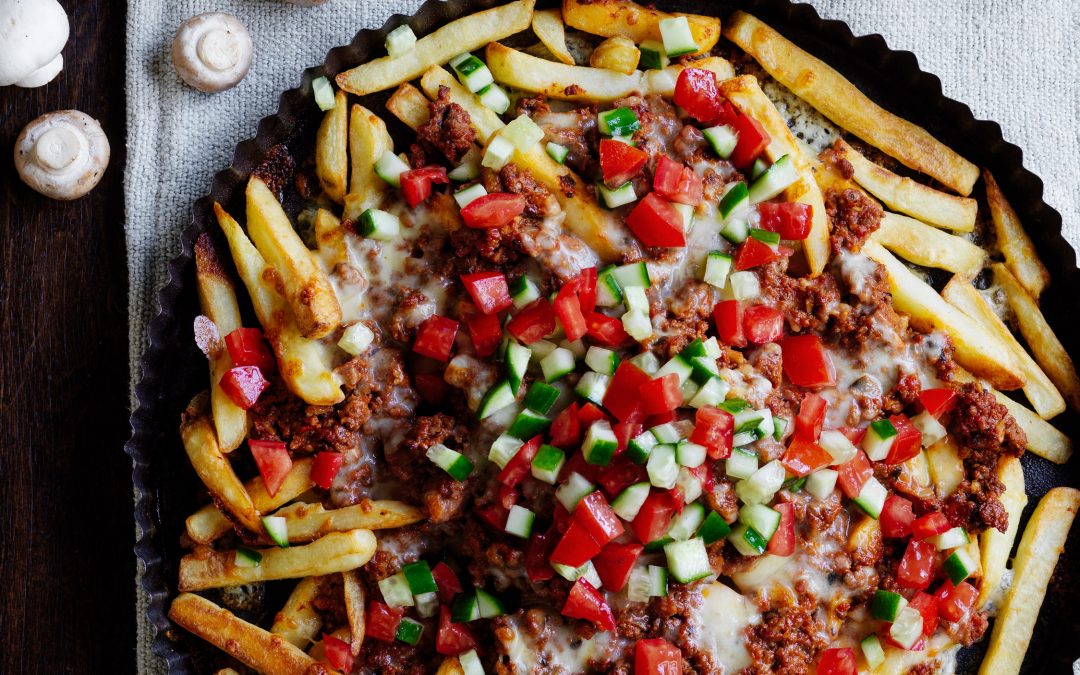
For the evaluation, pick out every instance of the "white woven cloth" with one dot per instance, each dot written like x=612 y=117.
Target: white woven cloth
x=1012 y=63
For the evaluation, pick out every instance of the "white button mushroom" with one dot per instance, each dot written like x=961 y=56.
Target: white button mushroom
x=32 y=34
x=212 y=52
x=62 y=154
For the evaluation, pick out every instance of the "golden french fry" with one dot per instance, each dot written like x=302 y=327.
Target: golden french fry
x=463 y=35
x=1042 y=438
x=996 y=546
x=928 y=246
x=617 y=53
x=745 y=93
x=410 y=106
x=214 y=469
x=368 y=141
x=631 y=20
x=217 y=297
x=1013 y=242
x=298 y=622
x=330 y=240
x=208 y=523
x=558 y=80
x=331 y=154
x=1042 y=543
x=335 y=552
x=977 y=349
x=548 y=26
x=450 y=666
x=354 y=608
x=314 y=305
x=1045 y=346
x=902 y=194
x=253 y=646
x=814 y=81
x=310 y=521
x=946 y=467
x=1040 y=391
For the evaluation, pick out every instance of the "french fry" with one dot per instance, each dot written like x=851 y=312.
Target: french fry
x=617 y=53
x=331 y=149
x=946 y=467
x=263 y=651
x=214 y=469
x=310 y=521
x=1042 y=438
x=902 y=661
x=1040 y=391
x=354 y=608
x=1042 y=543
x=318 y=649
x=928 y=246
x=409 y=105
x=902 y=194
x=1045 y=346
x=302 y=362
x=335 y=552
x=745 y=93
x=330 y=240
x=208 y=523
x=1013 y=242
x=996 y=546
x=631 y=20
x=548 y=26
x=977 y=349
x=814 y=81
x=459 y=36
x=368 y=141
x=558 y=80
x=310 y=296
x=298 y=622
x=217 y=297
x=450 y=666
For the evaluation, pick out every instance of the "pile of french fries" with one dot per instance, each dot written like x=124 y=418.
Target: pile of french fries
x=295 y=303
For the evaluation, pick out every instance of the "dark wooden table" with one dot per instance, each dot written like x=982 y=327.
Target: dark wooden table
x=66 y=529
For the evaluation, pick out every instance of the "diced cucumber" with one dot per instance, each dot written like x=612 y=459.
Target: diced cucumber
x=687 y=560
x=593 y=387
x=637 y=588
x=741 y=464
x=760 y=487
x=690 y=454
x=872 y=651
x=389 y=167
x=324 y=93
x=743 y=439
x=763 y=519
x=608 y=291
x=932 y=430
x=498 y=397
x=794 y=484
x=678 y=366
x=744 y=285
x=523 y=291
x=557 y=152
x=714 y=528
x=503 y=449
x=379 y=225
x=523 y=133
x=465 y=608
x=489 y=604
x=471 y=72
x=735 y=204
x=639 y=447
x=400 y=41
x=637 y=325
x=636 y=300
x=959 y=566
x=907 y=629
x=517 y=362
x=657 y=581
x=540 y=397
x=872 y=497
x=451 y=461
x=627 y=504
x=779 y=426
x=647 y=361
x=548 y=463
x=775 y=180
x=653 y=56
x=661 y=467
x=951 y=539
x=747 y=420
x=735 y=405
x=245 y=557
x=395 y=591
x=557 y=364
x=717 y=267
x=735 y=230
x=879 y=438
x=838 y=446
x=419 y=577
x=465 y=172
x=620 y=196
x=689 y=483
x=470 y=663
x=576 y=347
x=688 y=390
x=527 y=424
x=887 y=605
x=409 y=631
x=687 y=213
x=586 y=571
x=711 y=393
x=495 y=98
x=468 y=195
x=767 y=237
x=632 y=274
x=686 y=524
x=618 y=122
x=600 y=443
x=356 y=339
x=543 y=347
x=759 y=167
x=722 y=138
x=629 y=140
x=747 y=541
x=695 y=348
x=678 y=39
x=704 y=368
x=821 y=483
x=427 y=604
x=277 y=528
x=573 y=491
x=665 y=433
x=519 y=521
x=498 y=153
x=602 y=360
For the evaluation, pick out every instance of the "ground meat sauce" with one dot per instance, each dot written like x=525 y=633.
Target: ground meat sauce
x=449 y=130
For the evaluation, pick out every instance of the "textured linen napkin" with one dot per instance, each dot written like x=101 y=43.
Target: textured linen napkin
x=1011 y=63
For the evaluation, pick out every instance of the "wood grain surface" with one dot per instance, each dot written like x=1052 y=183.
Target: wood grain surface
x=66 y=567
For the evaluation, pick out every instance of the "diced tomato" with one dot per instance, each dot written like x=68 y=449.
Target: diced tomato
x=938 y=401
x=416 y=183
x=854 y=474
x=791 y=220
x=676 y=182
x=705 y=476
x=453 y=638
x=715 y=429
x=930 y=525
x=762 y=324
x=657 y=656
x=446 y=581
x=753 y=139
x=837 y=661
x=493 y=210
x=243 y=385
x=382 y=621
x=654 y=518
x=619 y=162
x=488 y=291
x=908 y=441
x=661 y=395
x=432 y=388
x=656 y=222
x=854 y=434
x=595 y=515
x=753 y=253
x=804 y=456
x=783 y=540
x=590 y=413
x=806 y=363
x=927 y=605
x=626 y=430
x=659 y=418
x=561 y=521
x=620 y=474
x=273 y=461
x=568 y=310
x=954 y=602
x=623 y=397
x=520 y=465
x=435 y=337
x=325 y=467
x=565 y=430
x=728 y=315
x=697 y=93
x=586 y=289
x=678 y=498
x=576 y=547
x=917 y=566
x=538 y=552
x=485 y=330
x=495 y=515
x=811 y=417
x=585 y=602
x=614 y=564
x=247 y=347
x=896 y=517
x=606 y=330
x=338 y=653
x=535 y=322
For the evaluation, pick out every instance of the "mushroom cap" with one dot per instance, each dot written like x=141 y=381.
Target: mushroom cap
x=212 y=52
x=62 y=154
x=32 y=34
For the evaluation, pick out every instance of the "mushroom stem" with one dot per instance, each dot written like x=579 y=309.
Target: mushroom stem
x=59 y=148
